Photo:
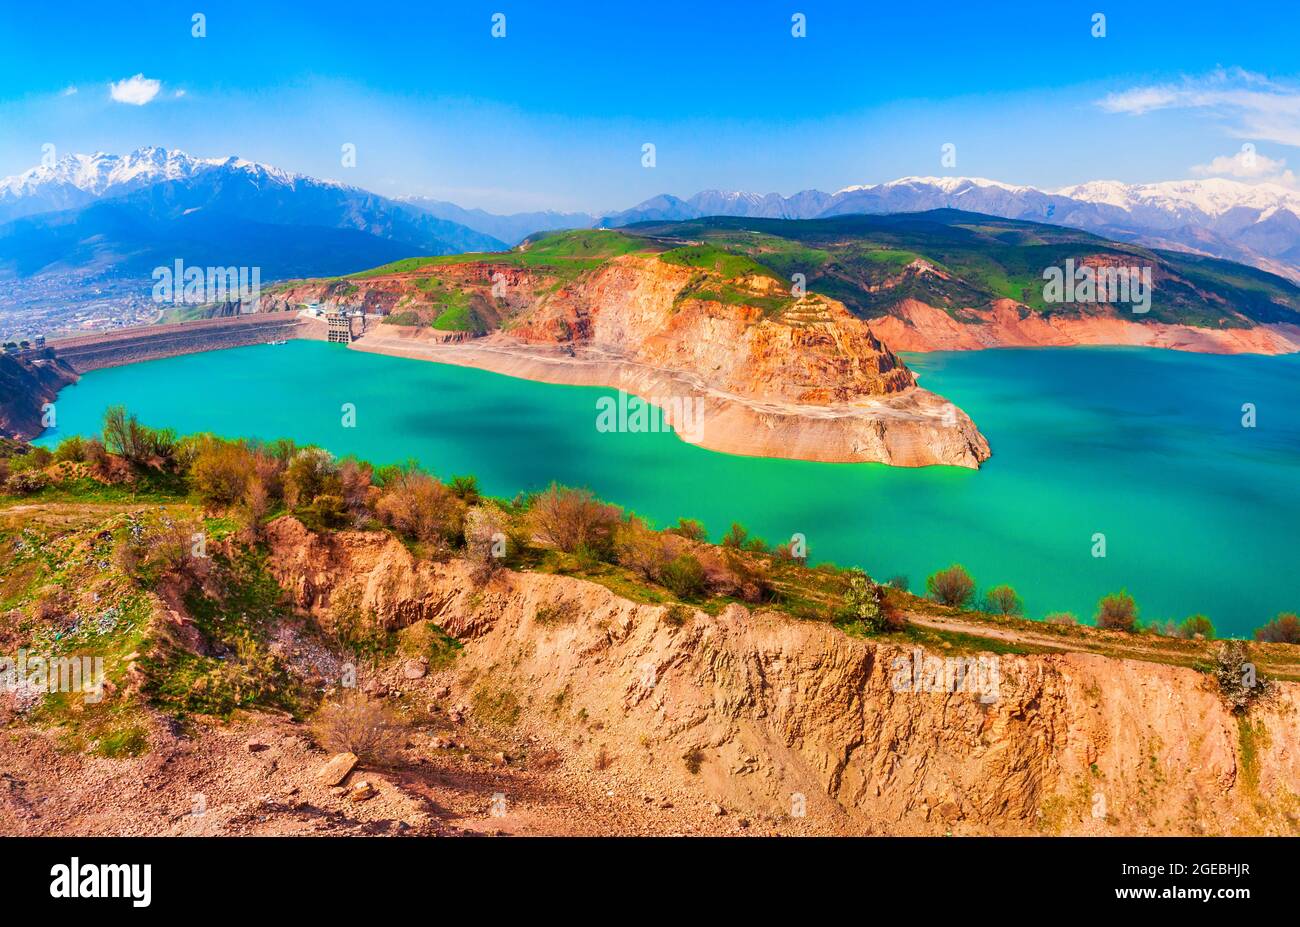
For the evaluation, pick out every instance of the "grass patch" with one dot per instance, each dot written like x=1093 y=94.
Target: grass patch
x=428 y=640
x=495 y=706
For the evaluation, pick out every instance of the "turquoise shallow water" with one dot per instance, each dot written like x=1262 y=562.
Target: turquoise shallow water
x=1145 y=446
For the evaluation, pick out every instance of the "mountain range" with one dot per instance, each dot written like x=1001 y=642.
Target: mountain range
x=1257 y=224
x=105 y=217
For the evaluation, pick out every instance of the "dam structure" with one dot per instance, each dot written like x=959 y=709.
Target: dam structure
x=150 y=342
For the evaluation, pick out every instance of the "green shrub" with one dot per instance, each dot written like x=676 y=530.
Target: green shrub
x=36 y=458
x=71 y=450
x=677 y=615
x=465 y=488
x=1196 y=624
x=690 y=529
x=684 y=576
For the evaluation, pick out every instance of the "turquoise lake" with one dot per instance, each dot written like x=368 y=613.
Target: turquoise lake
x=1144 y=446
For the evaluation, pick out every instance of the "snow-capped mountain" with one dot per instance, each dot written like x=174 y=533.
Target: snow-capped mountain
x=78 y=179
x=1256 y=224
x=111 y=217
x=1213 y=196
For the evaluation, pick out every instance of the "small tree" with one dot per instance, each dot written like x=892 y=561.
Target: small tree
x=72 y=449
x=1061 y=618
x=1284 y=629
x=220 y=471
x=1239 y=681
x=1117 y=612
x=1002 y=600
x=312 y=471
x=135 y=443
x=952 y=586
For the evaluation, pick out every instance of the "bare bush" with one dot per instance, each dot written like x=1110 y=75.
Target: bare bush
x=420 y=508
x=487 y=539
x=952 y=586
x=641 y=549
x=572 y=518
x=1117 y=612
x=1284 y=629
x=359 y=725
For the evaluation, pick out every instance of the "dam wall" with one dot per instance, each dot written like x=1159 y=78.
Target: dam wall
x=150 y=342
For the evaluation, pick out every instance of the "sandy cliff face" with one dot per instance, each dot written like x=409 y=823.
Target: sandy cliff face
x=813 y=352
x=770 y=709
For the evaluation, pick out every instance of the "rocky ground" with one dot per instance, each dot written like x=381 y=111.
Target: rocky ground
x=262 y=774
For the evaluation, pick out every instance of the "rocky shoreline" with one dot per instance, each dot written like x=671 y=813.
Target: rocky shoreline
x=910 y=428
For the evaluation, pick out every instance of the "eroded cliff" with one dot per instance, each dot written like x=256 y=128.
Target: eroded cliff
x=769 y=715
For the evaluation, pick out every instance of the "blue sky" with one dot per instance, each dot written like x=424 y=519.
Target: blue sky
x=554 y=115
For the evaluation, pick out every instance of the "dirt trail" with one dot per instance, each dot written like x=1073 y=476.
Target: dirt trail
x=1116 y=645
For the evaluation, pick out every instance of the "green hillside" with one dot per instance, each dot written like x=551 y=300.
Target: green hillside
x=862 y=261
x=946 y=258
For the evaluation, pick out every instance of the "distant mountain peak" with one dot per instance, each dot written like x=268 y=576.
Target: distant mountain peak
x=102 y=174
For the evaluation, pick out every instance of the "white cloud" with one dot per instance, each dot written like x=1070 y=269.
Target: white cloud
x=137 y=90
x=69 y=90
x=178 y=94
x=1248 y=165
x=1250 y=105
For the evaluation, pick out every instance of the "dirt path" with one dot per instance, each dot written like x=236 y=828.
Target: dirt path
x=1119 y=646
